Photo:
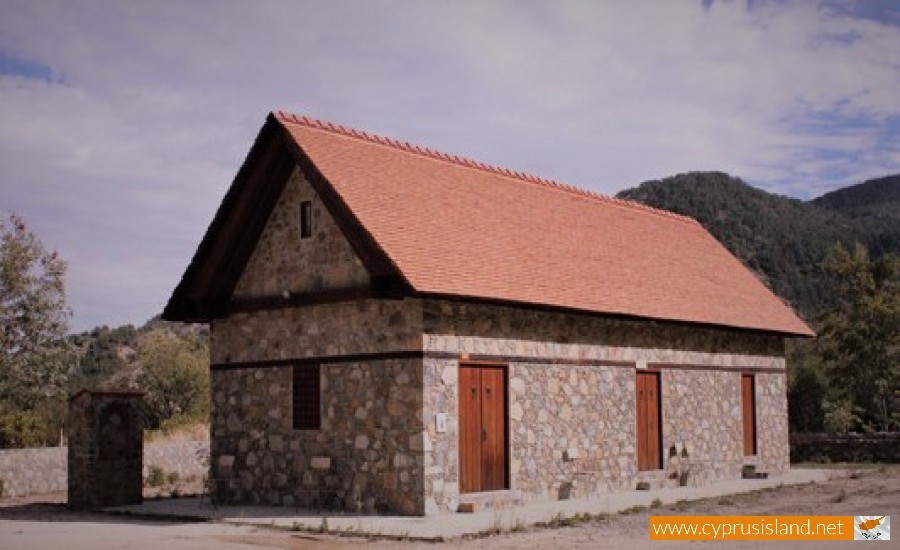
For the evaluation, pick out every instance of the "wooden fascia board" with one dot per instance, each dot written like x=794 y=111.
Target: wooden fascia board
x=263 y=195
x=193 y=287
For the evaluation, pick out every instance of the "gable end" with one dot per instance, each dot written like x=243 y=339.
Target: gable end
x=207 y=288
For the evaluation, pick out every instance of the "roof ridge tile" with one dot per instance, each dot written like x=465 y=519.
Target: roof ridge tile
x=303 y=120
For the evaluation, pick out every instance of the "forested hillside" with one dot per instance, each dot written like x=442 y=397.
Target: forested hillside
x=874 y=206
x=783 y=240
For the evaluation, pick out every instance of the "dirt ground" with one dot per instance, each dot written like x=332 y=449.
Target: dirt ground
x=870 y=491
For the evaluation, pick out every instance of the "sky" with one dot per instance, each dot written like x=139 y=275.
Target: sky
x=122 y=123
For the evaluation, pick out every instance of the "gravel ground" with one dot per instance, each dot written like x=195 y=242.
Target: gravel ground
x=872 y=491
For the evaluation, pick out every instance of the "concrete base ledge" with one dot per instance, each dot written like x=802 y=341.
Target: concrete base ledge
x=447 y=526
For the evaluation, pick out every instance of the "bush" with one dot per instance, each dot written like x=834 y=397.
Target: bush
x=19 y=429
x=175 y=377
x=157 y=477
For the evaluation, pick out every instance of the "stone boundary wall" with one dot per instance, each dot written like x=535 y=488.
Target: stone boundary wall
x=44 y=470
x=877 y=447
x=187 y=456
x=33 y=471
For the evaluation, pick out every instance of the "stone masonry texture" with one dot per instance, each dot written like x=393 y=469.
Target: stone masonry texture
x=273 y=266
x=589 y=410
x=105 y=450
x=43 y=470
x=33 y=471
x=570 y=390
x=365 y=458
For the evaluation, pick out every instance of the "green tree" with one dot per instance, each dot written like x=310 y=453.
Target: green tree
x=175 y=376
x=860 y=339
x=104 y=354
x=34 y=353
x=807 y=387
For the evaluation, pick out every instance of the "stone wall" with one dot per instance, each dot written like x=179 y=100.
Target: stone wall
x=562 y=444
x=572 y=426
x=701 y=412
x=365 y=326
x=773 y=449
x=44 y=470
x=33 y=471
x=185 y=455
x=283 y=261
x=367 y=456
x=875 y=447
x=105 y=449
x=368 y=453
x=459 y=327
x=572 y=429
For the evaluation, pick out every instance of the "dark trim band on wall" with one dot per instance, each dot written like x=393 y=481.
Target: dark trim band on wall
x=508 y=359
x=739 y=368
x=530 y=360
x=591 y=362
x=319 y=360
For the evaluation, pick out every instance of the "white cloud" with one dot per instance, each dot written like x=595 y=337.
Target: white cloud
x=122 y=157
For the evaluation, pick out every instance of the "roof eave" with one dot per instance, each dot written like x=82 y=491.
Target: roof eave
x=783 y=332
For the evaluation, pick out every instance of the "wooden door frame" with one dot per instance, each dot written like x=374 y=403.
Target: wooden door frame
x=476 y=363
x=659 y=419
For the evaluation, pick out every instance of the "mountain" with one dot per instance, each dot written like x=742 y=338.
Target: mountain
x=878 y=197
x=783 y=240
x=875 y=207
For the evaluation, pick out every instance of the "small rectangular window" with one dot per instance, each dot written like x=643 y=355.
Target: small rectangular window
x=305 y=219
x=307 y=400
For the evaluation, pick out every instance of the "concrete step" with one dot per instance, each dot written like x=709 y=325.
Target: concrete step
x=749 y=472
x=651 y=481
x=469 y=503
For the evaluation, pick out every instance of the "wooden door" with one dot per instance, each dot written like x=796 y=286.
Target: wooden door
x=482 y=428
x=748 y=405
x=469 y=429
x=649 y=448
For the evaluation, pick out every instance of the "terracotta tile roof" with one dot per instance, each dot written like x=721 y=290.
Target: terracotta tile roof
x=454 y=226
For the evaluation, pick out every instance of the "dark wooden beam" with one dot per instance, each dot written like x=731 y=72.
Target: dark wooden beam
x=319 y=360
x=273 y=179
x=292 y=300
x=188 y=298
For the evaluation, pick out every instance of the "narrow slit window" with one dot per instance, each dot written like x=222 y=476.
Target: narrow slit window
x=307 y=398
x=305 y=219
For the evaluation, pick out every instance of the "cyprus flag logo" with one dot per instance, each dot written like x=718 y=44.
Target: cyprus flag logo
x=871 y=527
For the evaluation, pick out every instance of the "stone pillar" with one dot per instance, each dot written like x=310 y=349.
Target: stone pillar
x=105 y=449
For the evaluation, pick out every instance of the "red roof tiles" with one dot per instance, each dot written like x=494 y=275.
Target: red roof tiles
x=454 y=226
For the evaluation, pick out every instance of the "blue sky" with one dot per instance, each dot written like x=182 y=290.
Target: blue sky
x=123 y=123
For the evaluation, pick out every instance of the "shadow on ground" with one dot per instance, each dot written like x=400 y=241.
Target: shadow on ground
x=60 y=512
